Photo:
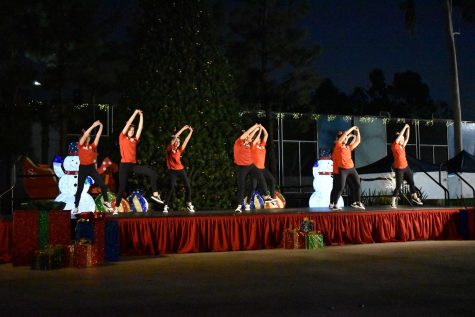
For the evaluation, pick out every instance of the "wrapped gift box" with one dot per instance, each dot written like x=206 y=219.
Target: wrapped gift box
x=111 y=251
x=293 y=239
x=313 y=240
x=50 y=258
x=82 y=255
x=33 y=230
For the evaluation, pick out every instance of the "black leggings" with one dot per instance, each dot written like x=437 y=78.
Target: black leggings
x=241 y=172
x=401 y=175
x=174 y=174
x=353 y=181
x=269 y=178
x=84 y=172
x=335 y=189
x=125 y=169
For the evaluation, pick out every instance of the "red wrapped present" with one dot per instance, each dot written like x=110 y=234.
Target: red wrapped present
x=26 y=232
x=293 y=239
x=85 y=255
x=59 y=226
x=99 y=242
x=25 y=236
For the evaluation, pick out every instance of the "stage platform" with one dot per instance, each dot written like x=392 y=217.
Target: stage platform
x=155 y=233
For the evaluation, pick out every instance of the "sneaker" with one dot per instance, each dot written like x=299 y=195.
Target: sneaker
x=393 y=206
x=357 y=204
x=238 y=209
x=417 y=201
x=190 y=208
x=331 y=206
x=335 y=207
x=75 y=211
x=115 y=212
x=165 y=209
x=247 y=207
x=157 y=199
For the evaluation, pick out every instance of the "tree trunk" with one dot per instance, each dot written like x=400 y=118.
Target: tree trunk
x=455 y=81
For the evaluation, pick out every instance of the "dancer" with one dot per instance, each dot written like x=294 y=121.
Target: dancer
x=128 y=140
x=342 y=154
x=87 y=153
x=176 y=168
x=336 y=171
x=401 y=167
x=244 y=165
x=258 y=154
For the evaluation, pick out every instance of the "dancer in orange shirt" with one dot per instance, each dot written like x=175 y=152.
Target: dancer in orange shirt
x=176 y=168
x=336 y=172
x=245 y=166
x=128 y=140
x=401 y=167
x=346 y=167
x=87 y=153
x=258 y=154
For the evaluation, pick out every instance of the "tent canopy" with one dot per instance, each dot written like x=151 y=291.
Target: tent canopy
x=462 y=162
x=384 y=166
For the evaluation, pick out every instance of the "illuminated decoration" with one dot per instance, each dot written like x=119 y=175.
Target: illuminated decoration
x=256 y=201
x=67 y=172
x=323 y=183
x=137 y=202
x=347 y=118
x=331 y=117
x=315 y=116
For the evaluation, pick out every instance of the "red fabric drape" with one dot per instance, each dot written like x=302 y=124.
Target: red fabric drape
x=6 y=232
x=149 y=236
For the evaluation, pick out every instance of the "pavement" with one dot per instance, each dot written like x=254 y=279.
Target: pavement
x=427 y=278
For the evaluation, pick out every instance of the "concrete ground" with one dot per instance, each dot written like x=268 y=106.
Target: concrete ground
x=430 y=278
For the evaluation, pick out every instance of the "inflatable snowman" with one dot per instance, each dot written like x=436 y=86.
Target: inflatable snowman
x=67 y=172
x=323 y=183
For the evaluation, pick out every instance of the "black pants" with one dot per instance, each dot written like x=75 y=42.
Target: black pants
x=125 y=169
x=401 y=175
x=84 y=172
x=269 y=178
x=241 y=172
x=353 y=181
x=335 y=189
x=174 y=174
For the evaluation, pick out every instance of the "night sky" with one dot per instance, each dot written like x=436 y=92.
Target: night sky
x=359 y=35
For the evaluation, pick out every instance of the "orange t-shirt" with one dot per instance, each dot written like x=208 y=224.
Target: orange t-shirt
x=258 y=154
x=399 y=153
x=128 y=149
x=242 y=153
x=335 y=159
x=174 y=159
x=344 y=155
x=87 y=154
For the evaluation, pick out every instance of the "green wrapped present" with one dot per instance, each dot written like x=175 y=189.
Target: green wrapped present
x=49 y=258
x=314 y=240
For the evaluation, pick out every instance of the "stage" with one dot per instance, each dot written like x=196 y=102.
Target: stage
x=217 y=231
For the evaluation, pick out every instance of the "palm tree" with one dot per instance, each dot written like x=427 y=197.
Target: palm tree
x=467 y=8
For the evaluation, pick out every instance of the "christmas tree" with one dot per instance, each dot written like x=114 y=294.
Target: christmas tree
x=180 y=77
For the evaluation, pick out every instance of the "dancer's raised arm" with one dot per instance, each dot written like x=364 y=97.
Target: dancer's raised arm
x=87 y=133
x=403 y=135
x=250 y=132
x=129 y=122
